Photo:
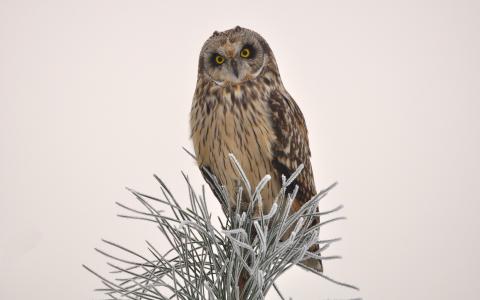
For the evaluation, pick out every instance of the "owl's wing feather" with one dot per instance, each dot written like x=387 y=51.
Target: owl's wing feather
x=291 y=147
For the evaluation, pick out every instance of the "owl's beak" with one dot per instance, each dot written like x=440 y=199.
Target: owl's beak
x=233 y=63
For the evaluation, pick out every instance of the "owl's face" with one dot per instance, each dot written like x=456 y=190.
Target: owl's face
x=234 y=56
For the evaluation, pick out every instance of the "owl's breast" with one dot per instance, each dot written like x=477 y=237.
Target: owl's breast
x=232 y=122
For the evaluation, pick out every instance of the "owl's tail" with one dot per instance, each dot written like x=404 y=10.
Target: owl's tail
x=313 y=263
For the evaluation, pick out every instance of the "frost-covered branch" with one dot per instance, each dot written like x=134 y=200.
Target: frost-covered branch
x=239 y=259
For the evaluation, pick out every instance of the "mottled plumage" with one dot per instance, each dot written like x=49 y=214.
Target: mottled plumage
x=240 y=106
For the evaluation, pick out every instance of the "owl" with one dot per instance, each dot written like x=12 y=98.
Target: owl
x=240 y=106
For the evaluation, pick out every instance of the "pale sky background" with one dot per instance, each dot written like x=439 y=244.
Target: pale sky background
x=95 y=96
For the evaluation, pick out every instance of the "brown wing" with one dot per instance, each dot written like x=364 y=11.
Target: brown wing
x=289 y=151
x=291 y=146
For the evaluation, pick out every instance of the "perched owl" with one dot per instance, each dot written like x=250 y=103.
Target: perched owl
x=240 y=106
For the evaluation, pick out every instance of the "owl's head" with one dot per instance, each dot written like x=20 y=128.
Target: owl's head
x=234 y=56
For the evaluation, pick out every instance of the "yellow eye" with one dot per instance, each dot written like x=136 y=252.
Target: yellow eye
x=219 y=59
x=245 y=53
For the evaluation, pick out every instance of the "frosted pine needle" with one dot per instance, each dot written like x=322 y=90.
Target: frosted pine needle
x=206 y=262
